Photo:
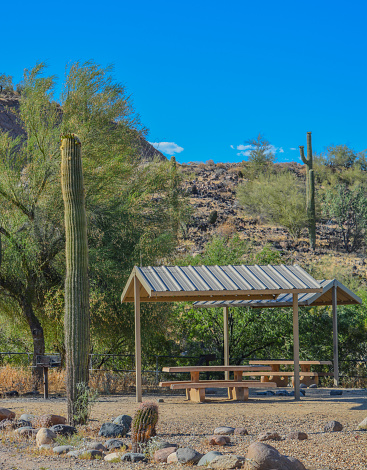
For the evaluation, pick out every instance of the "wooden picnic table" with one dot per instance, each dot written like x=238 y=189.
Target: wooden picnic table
x=237 y=388
x=307 y=376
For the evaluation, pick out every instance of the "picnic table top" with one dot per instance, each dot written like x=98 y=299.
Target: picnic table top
x=315 y=363
x=215 y=368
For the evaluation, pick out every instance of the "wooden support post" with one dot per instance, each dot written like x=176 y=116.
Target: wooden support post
x=296 y=347
x=226 y=342
x=137 y=339
x=45 y=382
x=335 y=335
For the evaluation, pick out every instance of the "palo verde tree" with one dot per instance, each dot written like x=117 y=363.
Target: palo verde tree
x=310 y=190
x=124 y=200
x=77 y=324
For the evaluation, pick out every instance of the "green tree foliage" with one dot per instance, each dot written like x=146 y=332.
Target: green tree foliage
x=201 y=330
x=280 y=199
x=129 y=206
x=348 y=208
x=6 y=83
x=260 y=155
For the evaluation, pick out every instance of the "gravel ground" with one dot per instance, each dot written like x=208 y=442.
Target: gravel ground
x=189 y=424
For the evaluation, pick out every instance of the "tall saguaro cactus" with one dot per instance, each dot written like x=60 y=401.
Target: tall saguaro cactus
x=310 y=190
x=77 y=322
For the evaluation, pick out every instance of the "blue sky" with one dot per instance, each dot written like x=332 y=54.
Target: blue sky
x=206 y=76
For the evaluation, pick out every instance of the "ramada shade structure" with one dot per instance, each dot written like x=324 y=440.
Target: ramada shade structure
x=216 y=283
x=333 y=293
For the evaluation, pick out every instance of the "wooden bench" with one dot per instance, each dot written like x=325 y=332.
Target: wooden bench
x=238 y=389
x=307 y=376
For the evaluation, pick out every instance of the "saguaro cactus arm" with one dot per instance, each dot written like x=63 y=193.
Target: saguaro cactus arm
x=77 y=323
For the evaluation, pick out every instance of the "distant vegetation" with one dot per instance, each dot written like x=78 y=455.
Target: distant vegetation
x=140 y=214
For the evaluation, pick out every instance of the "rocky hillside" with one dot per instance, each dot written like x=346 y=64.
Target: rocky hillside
x=9 y=104
x=213 y=188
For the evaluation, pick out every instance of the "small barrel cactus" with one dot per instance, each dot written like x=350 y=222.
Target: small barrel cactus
x=143 y=425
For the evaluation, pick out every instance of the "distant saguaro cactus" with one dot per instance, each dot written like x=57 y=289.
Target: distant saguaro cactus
x=310 y=190
x=77 y=322
x=143 y=425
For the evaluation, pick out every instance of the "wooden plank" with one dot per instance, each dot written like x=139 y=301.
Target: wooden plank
x=226 y=341
x=312 y=363
x=137 y=339
x=335 y=336
x=214 y=368
x=297 y=394
x=222 y=384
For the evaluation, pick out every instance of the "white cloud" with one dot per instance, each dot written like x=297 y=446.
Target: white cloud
x=246 y=149
x=232 y=147
x=167 y=147
x=292 y=148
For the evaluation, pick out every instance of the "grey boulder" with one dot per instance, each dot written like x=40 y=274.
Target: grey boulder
x=124 y=420
x=186 y=455
x=333 y=426
x=112 y=430
x=62 y=449
x=207 y=458
x=265 y=457
x=113 y=444
x=63 y=429
x=224 y=430
x=134 y=457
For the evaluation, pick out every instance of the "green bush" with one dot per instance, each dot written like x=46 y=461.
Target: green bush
x=278 y=198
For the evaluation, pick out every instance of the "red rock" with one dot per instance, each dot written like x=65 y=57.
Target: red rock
x=297 y=435
x=6 y=414
x=47 y=421
x=161 y=455
x=241 y=432
x=219 y=440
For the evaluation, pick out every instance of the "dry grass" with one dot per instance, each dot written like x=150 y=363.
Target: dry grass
x=105 y=382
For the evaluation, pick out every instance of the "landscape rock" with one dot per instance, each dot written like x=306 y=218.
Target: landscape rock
x=163 y=445
x=124 y=420
x=113 y=456
x=219 y=440
x=112 y=444
x=161 y=455
x=47 y=421
x=207 y=458
x=225 y=430
x=240 y=432
x=45 y=436
x=187 y=455
x=226 y=461
x=96 y=446
x=62 y=449
x=64 y=430
x=269 y=436
x=26 y=417
x=91 y=454
x=112 y=430
x=297 y=435
x=6 y=414
x=172 y=458
x=333 y=426
x=265 y=457
x=75 y=453
x=134 y=457
x=363 y=425
x=26 y=431
x=313 y=386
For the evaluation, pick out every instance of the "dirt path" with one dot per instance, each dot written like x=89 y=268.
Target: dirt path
x=189 y=424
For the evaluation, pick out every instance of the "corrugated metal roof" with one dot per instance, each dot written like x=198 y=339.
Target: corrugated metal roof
x=344 y=297
x=194 y=282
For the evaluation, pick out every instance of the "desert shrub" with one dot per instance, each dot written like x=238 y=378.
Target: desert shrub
x=213 y=217
x=278 y=198
x=348 y=207
x=268 y=255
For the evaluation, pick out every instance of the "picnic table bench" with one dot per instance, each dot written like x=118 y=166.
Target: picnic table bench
x=237 y=388
x=307 y=376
